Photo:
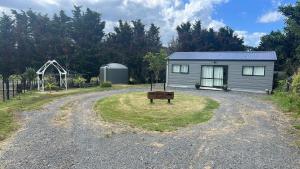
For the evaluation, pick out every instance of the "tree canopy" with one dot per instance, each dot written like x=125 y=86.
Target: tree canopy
x=157 y=62
x=192 y=37
x=286 y=43
x=78 y=42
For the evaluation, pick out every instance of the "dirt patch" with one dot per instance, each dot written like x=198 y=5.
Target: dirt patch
x=62 y=117
x=157 y=145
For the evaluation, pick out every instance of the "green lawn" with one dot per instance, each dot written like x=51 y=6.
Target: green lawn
x=290 y=104
x=135 y=109
x=35 y=100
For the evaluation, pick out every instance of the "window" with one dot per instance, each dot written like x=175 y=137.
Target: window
x=184 y=69
x=259 y=71
x=248 y=71
x=176 y=69
x=253 y=71
x=180 y=68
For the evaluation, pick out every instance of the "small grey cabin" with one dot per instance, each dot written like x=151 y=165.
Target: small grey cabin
x=115 y=73
x=240 y=71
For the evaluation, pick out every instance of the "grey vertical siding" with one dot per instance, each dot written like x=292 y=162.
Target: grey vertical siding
x=116 y=76
x=235 y=79
x=101 y=74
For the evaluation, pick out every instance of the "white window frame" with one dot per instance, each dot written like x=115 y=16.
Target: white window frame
x=253 y=68
x=176 y=71
x=181 y=68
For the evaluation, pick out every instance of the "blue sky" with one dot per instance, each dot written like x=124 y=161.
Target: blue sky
x=244 y=15
x=251 y=19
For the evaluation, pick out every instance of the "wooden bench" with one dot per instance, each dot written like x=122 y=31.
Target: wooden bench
x=160 y=95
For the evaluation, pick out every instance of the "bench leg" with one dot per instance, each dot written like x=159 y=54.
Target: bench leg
x=151 y=100
x=169 y=101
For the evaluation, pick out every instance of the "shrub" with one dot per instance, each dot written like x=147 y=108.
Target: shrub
x=51 y=86
x=50 y=79
x=29 y=75
x=79 y=81
x=94 y=81
x=289 y=102
x=282 y=86
x=132 y=81
x=106 y=84
x=296 y=83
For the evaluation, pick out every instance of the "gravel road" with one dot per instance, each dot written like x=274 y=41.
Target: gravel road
x=245 y=132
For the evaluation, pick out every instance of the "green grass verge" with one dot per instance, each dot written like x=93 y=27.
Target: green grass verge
x=135 y=110
x=288 y=102
x=35 y=100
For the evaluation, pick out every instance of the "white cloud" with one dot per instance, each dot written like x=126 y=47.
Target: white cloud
x=5 y=10
x=109 y=26
x=270 y=17
x=166 y=14
x=47 y=2
x=216 y=24
x=251 y=39
x=276 y=3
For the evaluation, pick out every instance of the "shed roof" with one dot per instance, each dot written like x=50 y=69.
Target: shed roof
x=115 y=66
x=230 y=55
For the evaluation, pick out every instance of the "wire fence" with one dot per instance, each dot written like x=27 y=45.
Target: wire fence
x=12 y=88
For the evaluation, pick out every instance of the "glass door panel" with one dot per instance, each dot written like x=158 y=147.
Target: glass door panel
x=218 y=76
x=207 y=76
x=212 y=76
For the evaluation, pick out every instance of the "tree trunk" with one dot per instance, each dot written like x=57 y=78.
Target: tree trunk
x=156 y=76
x=3 y=90
x=7 y=88
x=30 y=83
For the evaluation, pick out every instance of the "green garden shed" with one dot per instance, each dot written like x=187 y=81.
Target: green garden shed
x=115 y=73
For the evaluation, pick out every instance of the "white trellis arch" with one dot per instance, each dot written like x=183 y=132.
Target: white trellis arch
x=62 y=72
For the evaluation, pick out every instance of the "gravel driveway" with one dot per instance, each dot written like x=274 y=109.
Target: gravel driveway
x=245 y=132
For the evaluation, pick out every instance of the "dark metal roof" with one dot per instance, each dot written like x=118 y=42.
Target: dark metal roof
x=230 y=55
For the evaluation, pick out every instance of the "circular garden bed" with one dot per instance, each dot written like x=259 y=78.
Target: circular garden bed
x=136 y=110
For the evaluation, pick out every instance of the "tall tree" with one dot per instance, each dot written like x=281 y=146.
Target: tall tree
x=197 y=39
x=153 y=39
x=292 y=29
x=23 y=40
x=184 y=37
x=88 y=31
x=286 y=43
x=194 y=38
x=7 y=49
x=276 y=41
x=228 y=41
x=39 y=31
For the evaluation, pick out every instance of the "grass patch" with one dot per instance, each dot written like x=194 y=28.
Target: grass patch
x=35 y=100
x=135 y=109
x=288 y=102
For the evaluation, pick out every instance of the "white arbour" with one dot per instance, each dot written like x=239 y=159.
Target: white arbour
x=41 y=72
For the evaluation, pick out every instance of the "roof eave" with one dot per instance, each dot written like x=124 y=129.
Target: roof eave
x=222 y=59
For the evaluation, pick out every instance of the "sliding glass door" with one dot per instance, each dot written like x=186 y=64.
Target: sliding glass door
x=213 y=76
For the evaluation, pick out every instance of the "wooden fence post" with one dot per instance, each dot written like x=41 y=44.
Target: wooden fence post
x=7 y=89
x=3 y=91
